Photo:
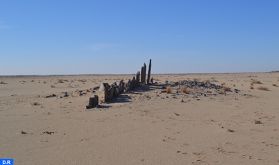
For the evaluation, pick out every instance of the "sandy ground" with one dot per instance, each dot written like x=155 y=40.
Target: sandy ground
x=147 y=127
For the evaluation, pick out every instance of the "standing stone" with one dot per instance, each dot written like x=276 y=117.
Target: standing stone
x=93 y=102
x=111 y=93
x=121 y=86
x=149 y=72
x=133 y=83
x=103 y=92
x=143 y=74
x=127 y=86
x=115 y=90
x=138 y=78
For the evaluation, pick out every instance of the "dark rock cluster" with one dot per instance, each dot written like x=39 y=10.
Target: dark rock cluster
x=198 y=88
x=199 y=84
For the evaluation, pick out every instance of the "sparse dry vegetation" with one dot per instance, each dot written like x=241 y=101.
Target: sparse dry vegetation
x=255 y=82
x=186 y=90
x=168 y=90
x=82 y=80
x=60 y=81
x=213 y=79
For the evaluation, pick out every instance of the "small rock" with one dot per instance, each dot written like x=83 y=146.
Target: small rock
x=258 y=122
x=36 y=104
x=231 y=130
x=53 y=95
x=23 y=132
x=48 y=132
x=66 y=94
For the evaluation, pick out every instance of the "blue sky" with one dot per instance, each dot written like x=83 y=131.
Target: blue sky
x=117 y=36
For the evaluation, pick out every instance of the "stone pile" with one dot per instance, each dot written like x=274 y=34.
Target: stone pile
x=107 y=93
x=199 y=84
x=198 y=88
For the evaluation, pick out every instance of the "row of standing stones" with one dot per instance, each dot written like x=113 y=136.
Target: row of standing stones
x=107 y=93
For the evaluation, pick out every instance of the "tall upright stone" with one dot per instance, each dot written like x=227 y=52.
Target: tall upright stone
x=128 y=86
x=143 y=74
x=138 y=78
x=103 y=92
x=149 y=72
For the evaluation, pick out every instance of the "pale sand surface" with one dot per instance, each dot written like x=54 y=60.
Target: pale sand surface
x=145 y=128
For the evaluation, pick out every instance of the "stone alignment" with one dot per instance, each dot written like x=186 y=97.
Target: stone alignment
x=107 y=93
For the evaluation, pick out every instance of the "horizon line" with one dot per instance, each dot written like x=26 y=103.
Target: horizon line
x=118 y=74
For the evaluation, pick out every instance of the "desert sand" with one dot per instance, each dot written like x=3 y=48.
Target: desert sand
x=40 y=125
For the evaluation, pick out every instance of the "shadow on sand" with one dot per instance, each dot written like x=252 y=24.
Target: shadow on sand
x=123 y=98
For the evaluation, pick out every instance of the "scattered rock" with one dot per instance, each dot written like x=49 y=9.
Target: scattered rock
x=195 y=83
x=36 y=104
x=231 y=130
x=258 y=122
x=62 y=81
x=66 y=94
x=2 y=82
x=23 y=132
x=48 y=132
x=82 y=80
x=52 y=95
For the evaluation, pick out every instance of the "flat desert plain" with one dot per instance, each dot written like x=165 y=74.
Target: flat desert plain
x=40 y=124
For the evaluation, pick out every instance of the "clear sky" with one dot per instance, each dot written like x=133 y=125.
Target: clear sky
x=117 y=36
